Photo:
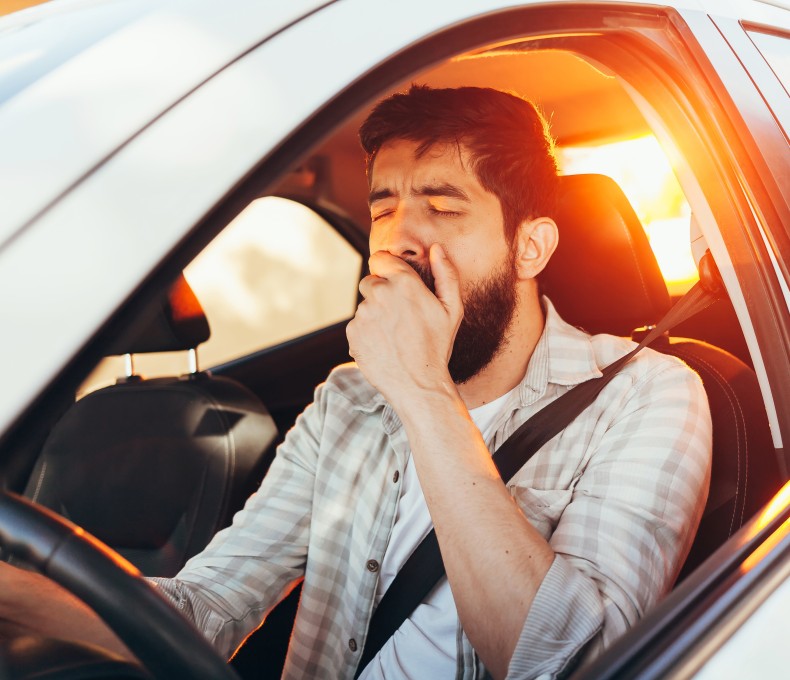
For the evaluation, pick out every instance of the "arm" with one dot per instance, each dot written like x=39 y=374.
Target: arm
x=32 y=603
x=494 y=558
x=546 y=600
x=227 y=589
x=247 y=568
x=401 y=338
x=616 y=549
x=630 y=520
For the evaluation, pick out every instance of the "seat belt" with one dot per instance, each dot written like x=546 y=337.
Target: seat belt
x=424 y=568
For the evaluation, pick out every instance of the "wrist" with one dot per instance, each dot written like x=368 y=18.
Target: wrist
x=428 y=404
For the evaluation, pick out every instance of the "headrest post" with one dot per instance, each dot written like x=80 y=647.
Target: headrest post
x=128 y=365
x=193 y=361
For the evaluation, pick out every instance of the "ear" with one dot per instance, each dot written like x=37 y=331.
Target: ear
x=536 y=240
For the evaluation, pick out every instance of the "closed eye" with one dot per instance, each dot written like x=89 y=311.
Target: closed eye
x=378 y=216
x=443 y=213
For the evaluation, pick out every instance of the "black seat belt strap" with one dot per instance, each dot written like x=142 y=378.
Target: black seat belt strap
x=424 y=568
x=556 y=416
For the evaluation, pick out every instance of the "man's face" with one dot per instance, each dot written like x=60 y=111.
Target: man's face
x=415 y=202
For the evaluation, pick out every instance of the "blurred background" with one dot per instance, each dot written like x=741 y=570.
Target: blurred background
x=8 y=6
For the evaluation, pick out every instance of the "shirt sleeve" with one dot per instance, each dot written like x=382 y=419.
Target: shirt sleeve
x=247 y=568
x=621 y=541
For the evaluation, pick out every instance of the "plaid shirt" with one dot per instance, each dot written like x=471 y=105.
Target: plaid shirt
x=618 y=494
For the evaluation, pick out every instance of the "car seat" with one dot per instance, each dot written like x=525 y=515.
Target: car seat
x=604 y=278
x=155 y=467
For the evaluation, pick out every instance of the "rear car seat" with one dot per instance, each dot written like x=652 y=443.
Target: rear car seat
x=155 y=467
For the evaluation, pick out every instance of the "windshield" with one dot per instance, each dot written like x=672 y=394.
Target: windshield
x=36 y=41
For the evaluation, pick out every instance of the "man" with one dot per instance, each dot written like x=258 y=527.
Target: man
x=454 y=348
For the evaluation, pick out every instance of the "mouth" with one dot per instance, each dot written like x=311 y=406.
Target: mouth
x=424 y=272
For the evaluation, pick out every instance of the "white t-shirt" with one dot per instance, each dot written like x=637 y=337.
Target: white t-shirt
x=425 y=645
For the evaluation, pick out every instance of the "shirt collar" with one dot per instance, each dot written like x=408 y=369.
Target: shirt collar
x=564 y=355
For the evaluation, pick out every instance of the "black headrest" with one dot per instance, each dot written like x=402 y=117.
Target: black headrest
x=603 y=277
x=177 y=322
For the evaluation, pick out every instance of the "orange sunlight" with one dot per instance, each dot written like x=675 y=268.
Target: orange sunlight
x=765 y=547
x=9 y=6
x=643 y=172
x=775 y=508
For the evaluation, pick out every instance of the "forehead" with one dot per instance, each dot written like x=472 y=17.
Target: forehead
x=399 y=163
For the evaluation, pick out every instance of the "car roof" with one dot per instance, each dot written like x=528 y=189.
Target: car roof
x=75 y=83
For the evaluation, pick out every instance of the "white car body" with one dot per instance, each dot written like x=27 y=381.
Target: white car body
x=109 y=159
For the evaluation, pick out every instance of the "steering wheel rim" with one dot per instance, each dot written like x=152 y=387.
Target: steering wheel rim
x=159 y=636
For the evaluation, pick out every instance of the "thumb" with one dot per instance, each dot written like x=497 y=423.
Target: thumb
x=445 y=275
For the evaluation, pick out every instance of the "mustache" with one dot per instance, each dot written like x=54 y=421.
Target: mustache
x=424 y=272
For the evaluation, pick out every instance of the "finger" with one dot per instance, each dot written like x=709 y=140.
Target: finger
x=384 y=264
x=367 y=284
x=448 y=286
x=351 y=330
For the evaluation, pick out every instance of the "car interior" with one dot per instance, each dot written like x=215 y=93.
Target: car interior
x=154 y=466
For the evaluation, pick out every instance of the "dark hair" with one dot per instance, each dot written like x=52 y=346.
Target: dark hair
x=508 y=140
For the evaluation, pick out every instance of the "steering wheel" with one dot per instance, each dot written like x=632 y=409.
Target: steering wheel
x=166 y=643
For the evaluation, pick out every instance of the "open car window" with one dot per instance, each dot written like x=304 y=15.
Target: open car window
x=640 y=167
x=278 y=271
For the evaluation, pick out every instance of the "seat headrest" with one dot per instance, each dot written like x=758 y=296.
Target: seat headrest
x=176 y=323
x=603 y=277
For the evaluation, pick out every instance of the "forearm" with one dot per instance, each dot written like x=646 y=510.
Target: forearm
x=495 y=559
x=35 y=604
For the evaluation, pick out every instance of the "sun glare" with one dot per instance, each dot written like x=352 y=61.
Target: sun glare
x=775 y=507
x=643 y=172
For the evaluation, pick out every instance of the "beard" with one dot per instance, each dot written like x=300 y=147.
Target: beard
x=489 y=306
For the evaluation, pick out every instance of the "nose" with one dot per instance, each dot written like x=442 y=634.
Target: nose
x=401 y=235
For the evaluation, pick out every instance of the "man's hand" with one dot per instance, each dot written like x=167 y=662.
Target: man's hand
x=402 y=335
x=32 y=604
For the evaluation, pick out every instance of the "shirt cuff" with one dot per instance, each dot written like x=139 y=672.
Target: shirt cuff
x=565 y=615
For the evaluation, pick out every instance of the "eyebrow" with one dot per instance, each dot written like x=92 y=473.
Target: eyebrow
x=379 y=195
x=445 y=190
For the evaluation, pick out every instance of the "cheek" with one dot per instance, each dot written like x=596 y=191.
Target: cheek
x=476 y=261
x=469 y=260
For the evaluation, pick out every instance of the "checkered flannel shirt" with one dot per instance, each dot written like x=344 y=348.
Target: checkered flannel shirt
x=618 y=494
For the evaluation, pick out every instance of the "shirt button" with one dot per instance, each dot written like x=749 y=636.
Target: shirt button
x=373 y=565
x=396 y=477
x=352 y=645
